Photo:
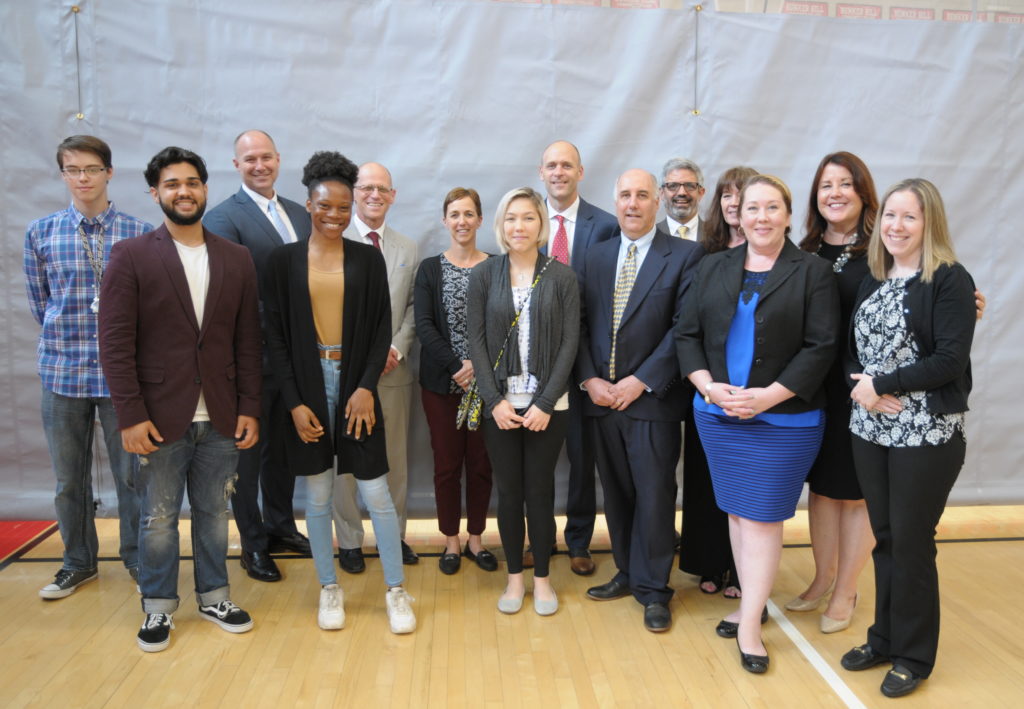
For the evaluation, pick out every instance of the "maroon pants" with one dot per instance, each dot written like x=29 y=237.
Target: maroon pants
x=453 y=447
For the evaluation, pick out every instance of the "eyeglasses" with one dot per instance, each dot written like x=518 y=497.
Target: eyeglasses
x=673 y=187
x=382 y=190
x=91 y=171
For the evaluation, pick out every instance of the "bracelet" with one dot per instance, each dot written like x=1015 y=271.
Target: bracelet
x=707 y=393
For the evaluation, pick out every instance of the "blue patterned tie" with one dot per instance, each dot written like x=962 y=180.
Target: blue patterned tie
x=623 y=287
x=275 y=219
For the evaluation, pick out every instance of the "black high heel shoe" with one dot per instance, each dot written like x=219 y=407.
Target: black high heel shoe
x=757 y=664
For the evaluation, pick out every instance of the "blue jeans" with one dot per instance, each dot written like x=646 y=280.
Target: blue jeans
x=375 y=493
x=68 y=424
x=204 y=462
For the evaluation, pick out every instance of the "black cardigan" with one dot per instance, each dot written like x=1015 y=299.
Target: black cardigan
x=292 y=348
x=796 y=323
x=438 y=362
x=940 y=316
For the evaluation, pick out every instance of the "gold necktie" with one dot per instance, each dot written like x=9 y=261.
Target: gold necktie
x=623 y=287
x=683 y=232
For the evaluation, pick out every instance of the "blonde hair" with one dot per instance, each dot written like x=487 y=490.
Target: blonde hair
x=771 y=181
x=937 y=245
x=538 y=204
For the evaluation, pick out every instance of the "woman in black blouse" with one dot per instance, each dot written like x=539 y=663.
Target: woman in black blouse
x=912 y=329
x=445 y=373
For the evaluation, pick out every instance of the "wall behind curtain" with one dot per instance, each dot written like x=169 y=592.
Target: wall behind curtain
x=450 y=93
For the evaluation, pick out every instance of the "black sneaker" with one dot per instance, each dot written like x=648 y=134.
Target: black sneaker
x=65 y=583
x=228 y=616
x=155 y=634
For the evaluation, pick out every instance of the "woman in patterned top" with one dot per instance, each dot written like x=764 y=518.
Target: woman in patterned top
x=912 y=329
x=445 y=373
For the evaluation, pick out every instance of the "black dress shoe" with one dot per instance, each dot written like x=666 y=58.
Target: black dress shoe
x=758 y=664
x=409 y=557
x=260 y=566
x=449 y=563
x=657 y=617
x=485 y=559
x=295 y=542
x=728 y=629
x=608 y=591
x=351 y=560
x=900 y=681
x=862 y=657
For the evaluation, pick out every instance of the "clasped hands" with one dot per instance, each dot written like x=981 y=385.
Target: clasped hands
x=506 y=417
x=864 y=394
x=616 y=396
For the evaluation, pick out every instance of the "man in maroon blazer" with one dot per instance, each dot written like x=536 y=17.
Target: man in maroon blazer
x=180 y=347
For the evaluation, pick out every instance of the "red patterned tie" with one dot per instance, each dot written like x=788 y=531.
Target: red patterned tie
x=560 y=249
x=375 y=238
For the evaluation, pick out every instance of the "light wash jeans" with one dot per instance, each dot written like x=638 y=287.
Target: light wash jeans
x=68 y=424
x=319 y=494
x=204 y=462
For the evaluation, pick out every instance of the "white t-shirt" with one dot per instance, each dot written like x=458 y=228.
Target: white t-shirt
x=196 y=263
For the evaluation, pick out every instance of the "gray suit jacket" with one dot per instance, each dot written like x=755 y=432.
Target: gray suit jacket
x=239 y=219
x=401 y=255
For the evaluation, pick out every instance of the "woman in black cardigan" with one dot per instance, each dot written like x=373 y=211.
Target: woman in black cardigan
x=445 y=373
x=911 y=335
x=525 y=395
x=328 y=330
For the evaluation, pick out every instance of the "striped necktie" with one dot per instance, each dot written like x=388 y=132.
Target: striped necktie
x=623 y=287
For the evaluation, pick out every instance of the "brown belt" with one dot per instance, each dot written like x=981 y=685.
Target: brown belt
x=330 y=354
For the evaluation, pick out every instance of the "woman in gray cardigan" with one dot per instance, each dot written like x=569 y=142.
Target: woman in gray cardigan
x=523 y=328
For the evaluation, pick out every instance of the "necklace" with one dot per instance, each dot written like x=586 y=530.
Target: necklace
x=844 y=257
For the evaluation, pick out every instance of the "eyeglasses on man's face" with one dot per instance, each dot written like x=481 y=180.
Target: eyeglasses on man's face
x=91 y=171
x=673 y=187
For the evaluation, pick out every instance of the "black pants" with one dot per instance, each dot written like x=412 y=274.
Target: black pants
x=581 y=495
x=523 y=467
x=906 y=491
x=637 y=463
x=258 y=471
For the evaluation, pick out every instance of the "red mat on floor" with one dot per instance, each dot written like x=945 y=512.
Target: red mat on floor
x=17 y=534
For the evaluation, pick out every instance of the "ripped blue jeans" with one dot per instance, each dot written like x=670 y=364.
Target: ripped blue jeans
x=205 y=463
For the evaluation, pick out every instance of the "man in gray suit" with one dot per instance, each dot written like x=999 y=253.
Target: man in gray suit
x=261 y=220
x=682 y=188
x=374 y=195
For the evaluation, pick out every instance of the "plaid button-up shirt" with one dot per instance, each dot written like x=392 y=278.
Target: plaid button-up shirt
x=61 y=287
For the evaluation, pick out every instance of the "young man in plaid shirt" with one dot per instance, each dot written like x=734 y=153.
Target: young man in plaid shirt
x=65 y=256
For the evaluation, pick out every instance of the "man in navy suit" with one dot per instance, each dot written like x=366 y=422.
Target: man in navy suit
x=261 y=220
x=632 y=291
x=576 y=225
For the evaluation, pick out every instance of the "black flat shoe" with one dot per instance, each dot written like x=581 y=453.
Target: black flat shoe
x=900 y=681
x=728 y=629
x=608 y=591
x=449 y=563
x=862 y=657
x=351 y=561
x=260 y=565
x=409 y=557
x=485 y=559
x=715 y=581
x=757 y=664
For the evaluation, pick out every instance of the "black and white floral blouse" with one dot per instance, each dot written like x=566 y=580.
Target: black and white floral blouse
x=884 y=344
x=454 y=286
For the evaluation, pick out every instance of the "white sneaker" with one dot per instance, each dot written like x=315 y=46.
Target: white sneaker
x=399 y=611
x=332 y=609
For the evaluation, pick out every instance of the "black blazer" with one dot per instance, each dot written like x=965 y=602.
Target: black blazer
x=644 y=345
x=292 y=348
x=795 y=325
x=438 y=362
x=940 y=316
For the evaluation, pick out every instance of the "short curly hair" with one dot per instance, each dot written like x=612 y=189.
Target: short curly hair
x=329 y=166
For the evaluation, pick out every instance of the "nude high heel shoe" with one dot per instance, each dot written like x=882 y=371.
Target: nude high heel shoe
x=831 y=625
x=809 y=604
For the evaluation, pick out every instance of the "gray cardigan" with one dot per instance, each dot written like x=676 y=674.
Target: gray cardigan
x=554 y=330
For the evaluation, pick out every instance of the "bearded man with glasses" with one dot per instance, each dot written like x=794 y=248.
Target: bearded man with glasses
x=682 y=188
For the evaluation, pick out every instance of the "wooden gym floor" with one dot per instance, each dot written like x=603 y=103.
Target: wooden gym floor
x=81 y=651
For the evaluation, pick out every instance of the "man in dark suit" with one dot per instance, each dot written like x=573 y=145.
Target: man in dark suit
x=682 y=188
x=576 y=225
x=261 y=220
x=180 y=342
x=633 y=289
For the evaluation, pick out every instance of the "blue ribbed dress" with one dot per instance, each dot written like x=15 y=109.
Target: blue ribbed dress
x=758 y=466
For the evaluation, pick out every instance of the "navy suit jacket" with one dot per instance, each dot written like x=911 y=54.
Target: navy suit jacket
x=156 y=357
x=593 y=225
x=239 y=219
x=644 y=346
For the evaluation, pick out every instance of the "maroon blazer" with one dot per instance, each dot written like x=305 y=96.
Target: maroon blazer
x=156 y=357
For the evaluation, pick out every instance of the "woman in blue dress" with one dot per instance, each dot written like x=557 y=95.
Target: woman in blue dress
x=756 y=336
